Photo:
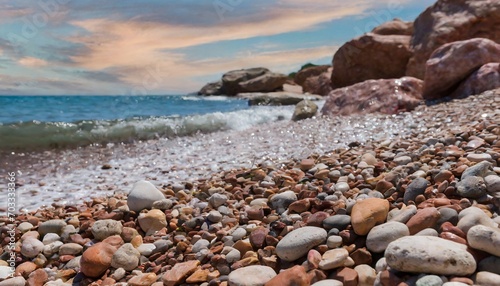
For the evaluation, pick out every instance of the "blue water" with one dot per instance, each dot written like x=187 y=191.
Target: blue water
x=16 y=109
x=50 y=122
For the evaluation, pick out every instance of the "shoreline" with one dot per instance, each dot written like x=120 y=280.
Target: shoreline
x=69 y=175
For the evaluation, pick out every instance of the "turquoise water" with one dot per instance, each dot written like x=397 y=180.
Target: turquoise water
x=48 y=122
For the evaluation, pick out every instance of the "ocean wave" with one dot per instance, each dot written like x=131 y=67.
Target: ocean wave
x=37 y=135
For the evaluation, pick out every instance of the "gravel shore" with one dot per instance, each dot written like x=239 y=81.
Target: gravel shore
x=367 y=187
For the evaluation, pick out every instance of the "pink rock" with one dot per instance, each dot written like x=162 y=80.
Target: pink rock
x=384 y=95
x=258 y=237
x=370 y=56
x=485 y=78
x=321 y=84
x=179 y=272
x=453 y=62
x=424 y=218
x=448 y=21
x=293 y=276
x=394 y=27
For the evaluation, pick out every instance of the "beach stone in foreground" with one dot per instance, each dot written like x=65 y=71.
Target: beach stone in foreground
x=428 y=254
x=103 y=229
x=484 y=238
x=381 y=235
x=368 y=213
x=328 y=282
x=298 y=242
x=255 y=275
x=52 y=226
x=142 y=196
x=292 y=276
x=180 y=272
x=126 y=257
x=96 y=259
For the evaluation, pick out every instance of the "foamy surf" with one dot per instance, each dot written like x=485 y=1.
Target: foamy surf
x=50 y=135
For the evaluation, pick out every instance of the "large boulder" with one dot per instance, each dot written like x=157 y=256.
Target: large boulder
x=387 y=96
x=252 y=80
x=302 y=75
x=212 y=88
x=370 y=56
x=321 y=84
x=394 y=27
x=452 y=63
x=267 y=82
x=449 y=21
x=485 y=78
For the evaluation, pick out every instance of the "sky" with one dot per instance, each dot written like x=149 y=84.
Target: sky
x=149 y=47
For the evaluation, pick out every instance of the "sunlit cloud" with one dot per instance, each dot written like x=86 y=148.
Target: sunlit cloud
x=32 y=62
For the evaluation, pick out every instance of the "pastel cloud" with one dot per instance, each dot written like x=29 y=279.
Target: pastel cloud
x=32 y=62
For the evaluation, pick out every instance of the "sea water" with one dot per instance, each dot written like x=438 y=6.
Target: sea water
x=47 y=122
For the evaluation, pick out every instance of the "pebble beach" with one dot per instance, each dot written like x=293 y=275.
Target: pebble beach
x=370 y=199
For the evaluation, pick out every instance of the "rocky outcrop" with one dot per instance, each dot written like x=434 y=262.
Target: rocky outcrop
x=394 y=27
x=252 y=80
x=452 y=63
x=212 y=88
x=485 y=78
x=304 y=109
x=449 y=21
x=302 y=75
x=277 y=98
x=387 y=96
x=370 y=56
x=321 y=84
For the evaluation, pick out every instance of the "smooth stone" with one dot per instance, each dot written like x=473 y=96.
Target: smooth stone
x=258 y=237
x=478 y=170
x=429 y=280
x=70 y=249
x=298 y=242
x=31 y=247
x=333 y=258
x=402 y=160
x=50 y=237
x=24 y=227
x=455 y=284
x=96 y=259
x=428 y=254
x=37 y=277
x=146 y=249
x=415 y=188
x=328 y=282
x=103 y=229
x=126 y=257
x=490 y=264
x=380 y=236
x=152 y=221
x=254 y=275
x=493 y=185
x=366 y=275
x=334 y=241
x=487 y=279
x=471 y=187
x=52 y=248
x=427 y=232
x=342 y=187
x=403 y=215
x=163 y=204
x=473 y=216
x=143 y=195
x=214 y=216
x=477 y=157
x=216 y=200
x=15 y=281
x=200 y=244
x=367 y=213
x=52 y=226
x=484 y=238
x=281 y=201
x=448 y=215
x=337 y=221
x=233 y=256
x=424 y=218
x=238 y=233
x=369 y=158
x=143 y=279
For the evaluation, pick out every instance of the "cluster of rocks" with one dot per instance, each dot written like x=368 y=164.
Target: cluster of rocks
x=450 y=51
x=415 y=211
